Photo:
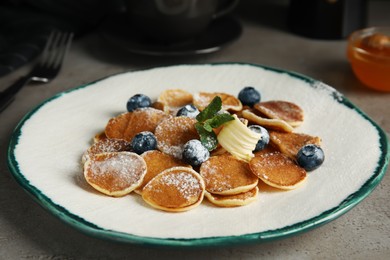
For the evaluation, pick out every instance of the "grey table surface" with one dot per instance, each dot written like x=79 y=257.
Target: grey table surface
x=27 y=231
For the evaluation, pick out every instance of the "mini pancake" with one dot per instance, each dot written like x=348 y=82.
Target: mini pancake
x=106 y=146
x=173 y=133
x=115 y=174
x=268 y=149
x=226 y=175
x=99 y=137
x=229 y=102
x=239 y=113
x=277 y=170
x=127 y=125
x=157 y=162
x=176 y=189
x=241 y=199
x=283 y=110
x=291 y=143
x=158 y=105
x=174 y=99
x=218 y=151
x=275 y=124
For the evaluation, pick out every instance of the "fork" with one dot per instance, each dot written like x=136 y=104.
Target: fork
x=46 y=69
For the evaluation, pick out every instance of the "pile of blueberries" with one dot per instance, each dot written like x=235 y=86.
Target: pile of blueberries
x=309 y=157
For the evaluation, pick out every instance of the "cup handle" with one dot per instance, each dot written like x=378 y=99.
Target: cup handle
x=229 y=7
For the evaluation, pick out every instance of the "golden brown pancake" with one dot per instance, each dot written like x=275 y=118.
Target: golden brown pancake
x=268 y=149
x=277 y=170
x=233 y=200
x=173 y=133
x=218 y=151
x=174 y=99
x=226 y=175
x=99 y=137
x=127 y=125
x=229 y=102
x=275 y=124
x=157 y=162
x=291 y=143
x=106 y=146
x=115 y=174
x=176 y=189
x=158 y=105
x=283 y=110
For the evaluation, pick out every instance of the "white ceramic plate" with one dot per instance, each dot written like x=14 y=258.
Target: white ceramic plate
x=46 y=148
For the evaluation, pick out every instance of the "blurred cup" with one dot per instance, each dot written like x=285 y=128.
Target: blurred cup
x=171 y=21
x=327 y=19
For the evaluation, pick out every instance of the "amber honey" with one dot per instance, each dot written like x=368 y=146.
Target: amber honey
x=369 y=55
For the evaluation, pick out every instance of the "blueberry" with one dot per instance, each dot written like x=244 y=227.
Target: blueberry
x=188 y=110
x=310 y=157
x=249 y=96
x=144 y=141
x=264 y=140
x=195 y=153
x=138 y=101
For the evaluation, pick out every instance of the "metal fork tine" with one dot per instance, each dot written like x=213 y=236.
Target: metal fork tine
x=57 y=57
x=63 y=48
x=45 y=70
x=53 y=50
x=67 y=44
x=47 y=48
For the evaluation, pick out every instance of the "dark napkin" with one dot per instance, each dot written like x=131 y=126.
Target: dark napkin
x=25 y=25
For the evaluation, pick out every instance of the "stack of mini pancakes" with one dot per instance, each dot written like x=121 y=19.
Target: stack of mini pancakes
x=166 y=182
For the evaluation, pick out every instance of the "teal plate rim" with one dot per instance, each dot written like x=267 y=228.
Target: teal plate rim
x=270 y=235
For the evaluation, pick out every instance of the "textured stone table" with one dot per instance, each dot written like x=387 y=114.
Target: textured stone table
x=29 y=232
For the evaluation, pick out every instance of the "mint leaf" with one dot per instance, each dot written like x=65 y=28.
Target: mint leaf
x=207 y=113
x=208 y=139
x=209 y=119
x=217 y=121
x=207 y=125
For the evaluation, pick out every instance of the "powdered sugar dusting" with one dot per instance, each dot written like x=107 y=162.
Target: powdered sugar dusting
x=125 y=168
x=173 y=133
x=106 y=146
x=187 y=185
x=201 y=100
x=271 y=160
x=174 y=150
x=214 y=177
